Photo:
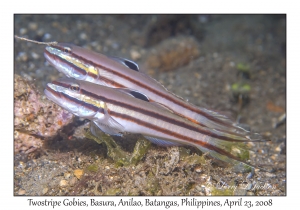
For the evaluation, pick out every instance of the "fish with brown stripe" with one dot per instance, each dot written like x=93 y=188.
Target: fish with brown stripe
x=82 y=64
x=116 y=111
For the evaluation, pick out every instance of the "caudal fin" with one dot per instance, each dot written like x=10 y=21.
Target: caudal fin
x=230 y=152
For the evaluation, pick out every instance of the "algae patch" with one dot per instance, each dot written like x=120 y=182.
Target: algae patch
x=115 y=152
x=92 y=168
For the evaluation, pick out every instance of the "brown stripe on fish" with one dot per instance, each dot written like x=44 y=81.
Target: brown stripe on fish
x=60 y=84
x=82 y=103
x=176 y=135
x=112 y=83
x=86 y=61
x=73 y=66
x=83 y=71
x=89 y=105
x=162 y=117
x=55 y=93
x=85 y=104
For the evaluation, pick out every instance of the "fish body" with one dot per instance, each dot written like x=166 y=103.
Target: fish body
x=85 y=65
x=116 y=111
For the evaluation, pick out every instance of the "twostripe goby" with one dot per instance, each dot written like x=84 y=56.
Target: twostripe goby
x=86 y=65
x=115 y=111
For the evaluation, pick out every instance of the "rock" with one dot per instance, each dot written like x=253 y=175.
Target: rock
x=45 y=190
x=172 y=54
x=63 y=183
x=78 y=173
x=26 y=143
x=21 y=192
x=35 y=117
x=73 y=181
x=271 y=175
x=198 y=169
x=135 y=55
x=67 y=175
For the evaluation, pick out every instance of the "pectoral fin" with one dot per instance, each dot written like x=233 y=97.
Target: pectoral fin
x=108 y=125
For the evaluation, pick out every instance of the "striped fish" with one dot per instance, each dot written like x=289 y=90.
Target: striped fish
x=116 y=111
x=82 y=64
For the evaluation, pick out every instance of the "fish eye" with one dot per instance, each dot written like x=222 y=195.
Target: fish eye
x=67 y=49
x=75 y=87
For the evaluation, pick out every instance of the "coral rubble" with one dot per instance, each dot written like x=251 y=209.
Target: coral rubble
x=35 y=118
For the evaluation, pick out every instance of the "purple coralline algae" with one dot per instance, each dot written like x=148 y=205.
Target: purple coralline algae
x=35 y=117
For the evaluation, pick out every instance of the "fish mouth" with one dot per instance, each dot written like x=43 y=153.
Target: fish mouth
x=64 y=63
x=51 y=94
x=55 y=93
x=51 y=56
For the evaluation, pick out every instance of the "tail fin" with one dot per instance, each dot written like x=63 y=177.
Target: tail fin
x=215 y=120
x=231 y=136
x=234 y=153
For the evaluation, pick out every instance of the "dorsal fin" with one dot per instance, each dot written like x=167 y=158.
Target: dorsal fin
x=128 y=63
x=134 y=93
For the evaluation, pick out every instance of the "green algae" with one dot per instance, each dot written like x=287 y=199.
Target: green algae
x=240 y=88
x=115 y=152
x=89 y=135
x=240 y=152
x=184 y=152
x=153 y=185
x=222 y=192
x=92 y=168
x=193 y=160
x=141 y=147
x=243 y=70
x=243 y=67
x=113 y=191
x=187 y=159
